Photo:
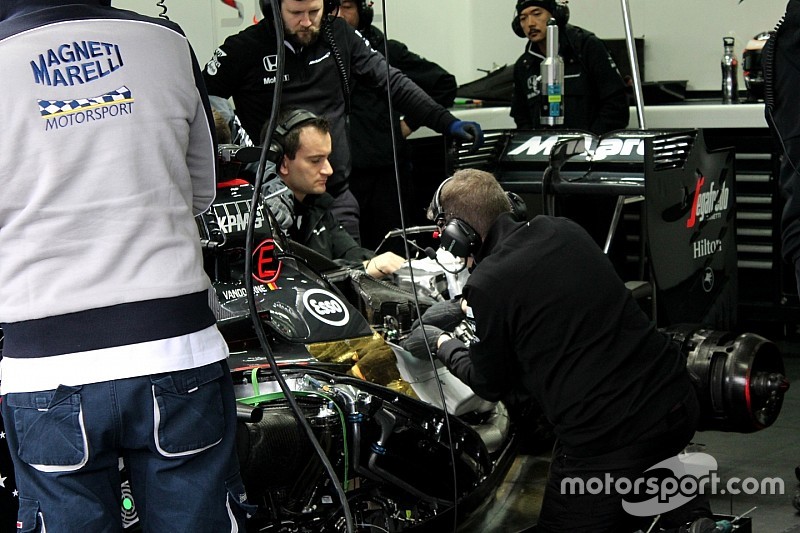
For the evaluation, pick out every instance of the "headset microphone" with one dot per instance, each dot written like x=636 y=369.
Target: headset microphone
x=431 y=254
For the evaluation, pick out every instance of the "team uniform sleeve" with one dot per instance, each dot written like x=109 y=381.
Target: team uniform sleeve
x=437 y=83
x=520 y=111
x=407 y=96
x=486 y=366
x=613 y=112
x=222 y=74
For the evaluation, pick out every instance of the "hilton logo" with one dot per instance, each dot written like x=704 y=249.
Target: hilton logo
x=705 y=247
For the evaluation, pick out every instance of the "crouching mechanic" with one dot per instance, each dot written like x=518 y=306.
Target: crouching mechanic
x=301 y=147
x=556 y=326
x=111 y=350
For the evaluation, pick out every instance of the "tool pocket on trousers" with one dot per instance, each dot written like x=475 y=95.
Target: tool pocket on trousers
x=29 y=517
x=188 y=411
x=50 y=428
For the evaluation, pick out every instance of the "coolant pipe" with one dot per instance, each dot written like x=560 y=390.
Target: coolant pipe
x=354 y=419
x=387 y=422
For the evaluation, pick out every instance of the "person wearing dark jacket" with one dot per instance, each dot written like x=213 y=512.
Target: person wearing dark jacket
x=372 y=178
x=578 y=346
x=323 y=54
x=594 y=92
x=782 y=110
x=110 y=349
x=305 y=213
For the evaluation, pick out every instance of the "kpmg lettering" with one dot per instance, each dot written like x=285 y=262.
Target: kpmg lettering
x=234 y=216
x=76 y=63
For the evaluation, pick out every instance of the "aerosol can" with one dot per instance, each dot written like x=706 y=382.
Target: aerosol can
x=730 y=72
x=552 y=72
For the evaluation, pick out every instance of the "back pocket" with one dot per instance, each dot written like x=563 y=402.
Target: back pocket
x=50 y=428
x=188 y=411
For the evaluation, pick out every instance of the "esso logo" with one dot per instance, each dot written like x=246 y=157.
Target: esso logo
x=326 y=307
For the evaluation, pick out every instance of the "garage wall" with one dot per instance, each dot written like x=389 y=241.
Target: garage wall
x=683 y=38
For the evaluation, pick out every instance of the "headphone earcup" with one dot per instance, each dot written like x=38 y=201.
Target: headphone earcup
x=275 y=153
x=518 y=206
x=459 y=238
x=331 y=6
x=562 y=14
x=367 y=15
x=516 y=26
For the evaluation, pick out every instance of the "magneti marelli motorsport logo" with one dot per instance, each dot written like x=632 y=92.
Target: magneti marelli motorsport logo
x=76 y=64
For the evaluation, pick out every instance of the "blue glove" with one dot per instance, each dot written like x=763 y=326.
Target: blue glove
x=467 y=131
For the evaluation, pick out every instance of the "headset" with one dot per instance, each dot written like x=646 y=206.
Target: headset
x=295 y=119
x=560 y=12
x=330 y=6
x=365 y=13
x=458 y=237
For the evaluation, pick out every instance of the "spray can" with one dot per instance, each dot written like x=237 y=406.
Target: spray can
x=730 y=72
x=552 y=72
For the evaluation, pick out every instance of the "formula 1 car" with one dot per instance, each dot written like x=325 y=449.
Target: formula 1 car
x=410 y=456
x=410 y=446
x=404 y=462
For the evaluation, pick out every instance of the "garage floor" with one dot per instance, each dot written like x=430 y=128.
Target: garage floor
x=771 y=453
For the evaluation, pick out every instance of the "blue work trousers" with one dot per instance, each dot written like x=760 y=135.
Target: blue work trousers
x=174 y=431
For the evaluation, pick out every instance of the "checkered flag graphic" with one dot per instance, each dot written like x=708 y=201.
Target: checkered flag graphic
x=50 y=108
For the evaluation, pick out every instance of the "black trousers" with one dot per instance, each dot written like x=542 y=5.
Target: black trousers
x=598 y=510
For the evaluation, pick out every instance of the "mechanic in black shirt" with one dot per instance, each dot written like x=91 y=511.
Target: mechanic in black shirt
x=372 y=178
x=555 y=327
x=594 y=92
x=323 y=54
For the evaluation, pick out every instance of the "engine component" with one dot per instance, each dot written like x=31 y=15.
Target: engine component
x=740 y=379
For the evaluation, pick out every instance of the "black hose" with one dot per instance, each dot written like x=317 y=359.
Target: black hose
x=372 y=465
x=248 y=272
